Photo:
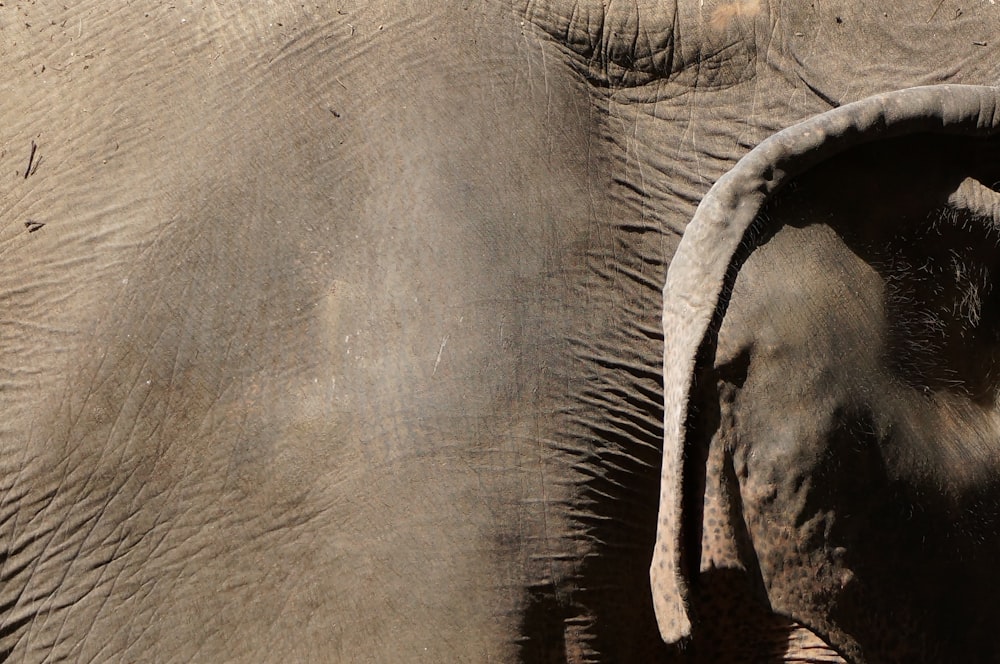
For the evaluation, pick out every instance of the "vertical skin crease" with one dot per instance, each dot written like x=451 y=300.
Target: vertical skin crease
x=340 y=338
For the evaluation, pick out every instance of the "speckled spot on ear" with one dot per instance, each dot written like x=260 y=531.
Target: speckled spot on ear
x=719 y=547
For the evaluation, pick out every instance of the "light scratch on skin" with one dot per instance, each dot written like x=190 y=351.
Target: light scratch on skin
x=440 y=350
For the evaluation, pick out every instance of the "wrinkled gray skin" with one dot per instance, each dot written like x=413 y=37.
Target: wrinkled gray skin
x=332 y=332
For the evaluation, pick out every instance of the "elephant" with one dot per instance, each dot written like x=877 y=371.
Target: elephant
x=491 y=331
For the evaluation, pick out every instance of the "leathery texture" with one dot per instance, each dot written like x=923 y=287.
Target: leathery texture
x=430 y=429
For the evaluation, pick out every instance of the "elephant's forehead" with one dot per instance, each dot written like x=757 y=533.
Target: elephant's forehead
x=827 y=45
x=692 y=86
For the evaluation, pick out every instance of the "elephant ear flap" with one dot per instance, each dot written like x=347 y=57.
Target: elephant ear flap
x=704 y=266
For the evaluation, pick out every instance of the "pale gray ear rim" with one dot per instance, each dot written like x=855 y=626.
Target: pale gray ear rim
x=698 y=270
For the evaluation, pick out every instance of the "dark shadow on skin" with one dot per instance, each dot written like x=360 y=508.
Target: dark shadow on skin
x=739 y=631
x=927 y=575
x=616 y=472
x=625 y=497
x=12 y=628
x=941 y=267
x=613 y=589
x=543 y=638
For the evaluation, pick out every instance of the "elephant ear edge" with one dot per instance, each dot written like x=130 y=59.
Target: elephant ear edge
x=701 y=266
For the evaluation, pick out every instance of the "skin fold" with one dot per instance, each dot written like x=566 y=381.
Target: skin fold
x=332 y=331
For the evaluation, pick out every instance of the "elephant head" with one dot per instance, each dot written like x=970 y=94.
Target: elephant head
x=830 y=412
x=331 y=331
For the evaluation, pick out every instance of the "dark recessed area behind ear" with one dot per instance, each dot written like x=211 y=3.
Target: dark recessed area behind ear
x=939 y=261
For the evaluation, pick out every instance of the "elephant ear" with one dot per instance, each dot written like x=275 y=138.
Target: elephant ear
x=739 y=215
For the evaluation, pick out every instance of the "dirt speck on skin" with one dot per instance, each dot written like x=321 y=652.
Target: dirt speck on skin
x=31 y=161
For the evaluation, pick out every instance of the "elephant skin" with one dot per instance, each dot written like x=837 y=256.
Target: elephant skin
x=333 y=332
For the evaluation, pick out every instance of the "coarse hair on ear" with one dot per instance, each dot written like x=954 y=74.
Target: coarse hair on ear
x=916 y=209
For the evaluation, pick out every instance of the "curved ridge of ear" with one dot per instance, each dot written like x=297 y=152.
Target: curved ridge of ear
x=699 y=270
x=974 y=196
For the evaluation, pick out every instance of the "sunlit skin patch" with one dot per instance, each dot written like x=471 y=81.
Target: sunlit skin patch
x=724 y=16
